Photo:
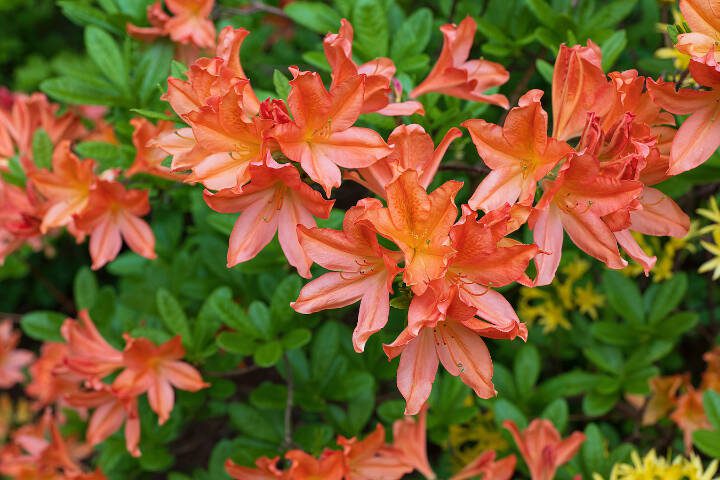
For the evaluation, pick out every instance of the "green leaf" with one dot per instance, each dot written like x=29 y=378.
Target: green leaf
x=296 y=338
x=711 y=402
x=254 y=423
x=505 y=410
x=268 y=354
x=108 y=155
x=152 y=115
x=668 y=297
x=281 y=83
x=545 y=70
x=259 y=315
x=42 y=148
x=85 y=288
x=610 y=15
x=172 y=315
x=156 y=459
x=230 y=312
x=81 y=92
x=152 y=70
x=82 y=14
x=413 y=35
x=43 y=326
x=623 y=296
x=708 y=442
x=606 y=358
x=371 y=29
x=106 y=54
x=593 y=449
x=314 y=15
x=675 y=325
x=544 y=13
x=612 y=48
x=595 y=404
x=527 y=369
x=269 y=396
x=324 y=349
x=614 y=333
x=285 y=293
x=313 y=437
x=238 y=343
x=558 y=413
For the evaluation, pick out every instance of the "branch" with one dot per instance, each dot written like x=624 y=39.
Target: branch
x=288 y=441
x=459 y=167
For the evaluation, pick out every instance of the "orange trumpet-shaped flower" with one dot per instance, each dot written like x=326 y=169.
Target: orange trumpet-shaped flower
x=370 y=458
x=663 y=398
x=519 y=154
x=379 y=74
x=413 y=149
x=88 y=354
x=230 y=144
x=576 y=201
x=703 y=18
x=455 y=75
x=321 y=137
x=487 y=468
x=267 y=469
x=451 y=342
x=188 y=24
x=276 y=200
x=330 y=465
x=579 y=86
x=362 y=270
x=699 y=135
x=113 y=214
x=156 y=369
x=410 y=438
x=66 y=187
x=690 y=415
x=542 y=447
x=51 y=379
x=419 y=224
x=12 y=359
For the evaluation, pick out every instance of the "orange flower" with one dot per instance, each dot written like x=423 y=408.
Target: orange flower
x=413 y=149
x=12 y=359
x=410 y=438
x=699 y=135
x=370 y=458
x=276 y=200
x=66 y=187
x=379 y=75
x=419 y=224
x=188 y=24
x=711 y=376
x=519 y=154
x=51 y=380
x=485 y=467
x=88 y=354
x=329 y=466
x=266 y=470
x=148 y=156
x=690 y=415
x=703 y=18
x=455 y=75
x=156 y=370
x=113 y=214
x=362 y=270
x=542 y=447
x=321 y=136
x=663 y=397
x=579 y=86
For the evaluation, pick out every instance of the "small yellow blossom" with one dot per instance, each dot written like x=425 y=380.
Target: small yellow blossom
x=714 y=263
x=470 y=439
x=10 y=414
x=652 y=467
x=712 y=213
x=588 y=300
x=666 y=251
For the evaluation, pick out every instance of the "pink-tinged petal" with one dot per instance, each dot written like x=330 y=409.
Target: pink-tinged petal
x=631 y=247
x=410 y=107
x=219 y=171
x=491 y=306
x=548 y=236
x=659 y=216
x=696 y=140
x=329 y=291
x=680 y=102
x=319 y=165
x=463 y=353
x=105 y=420
x=355 y=147
x=416 y=371
x=105 y=243
x=702 y=15
x=308 y=100
x=161 y=398
x=138 y=235
x=290 y=216
x=428 y=172
x=132 y=430
x=592 y=236
x=183 y=376
x=253 y=230
x=347 y=101
x=374 y=310
x=499 y=187
x=566 y=449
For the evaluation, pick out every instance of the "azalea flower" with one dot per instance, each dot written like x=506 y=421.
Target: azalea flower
x=370 y=458
x=703 y=18
x=321 y=136
x=455 y=75
x=51 y=380
x=66 y=188
x=276 y=200
x=379 y=75
x=689 y=415
x=329 y=466
x=12 y=359
x=663 y=397
x=410 y=438
x=542 y=448
x=699 y=135
x=156 y=369
x=362 y=270
x=148 y=156
x=485 y=466
x=113 y=214
x=413 y=149
x=88 y=353
x=519 y=154
x=188 y=24
x=267 y=469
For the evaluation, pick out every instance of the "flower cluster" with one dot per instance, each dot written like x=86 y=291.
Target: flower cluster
x=651 y=467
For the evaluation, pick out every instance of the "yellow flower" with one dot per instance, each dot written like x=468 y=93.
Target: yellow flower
x=712 y=213
x=588 y=300
x=652 y=467
x=680 y=60
x=478 y=435
x=10 y=414
x=714 y=263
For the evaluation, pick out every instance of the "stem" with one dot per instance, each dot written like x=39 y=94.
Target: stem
x=475 y=169
x=254 y=7
x=288 y=441
x=66 y=304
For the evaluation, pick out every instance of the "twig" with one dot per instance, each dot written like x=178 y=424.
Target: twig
x=476 y=169
x=254 y=7
x=520 y=88
x=288 y=441
x=67 y=305
x=235 y=373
